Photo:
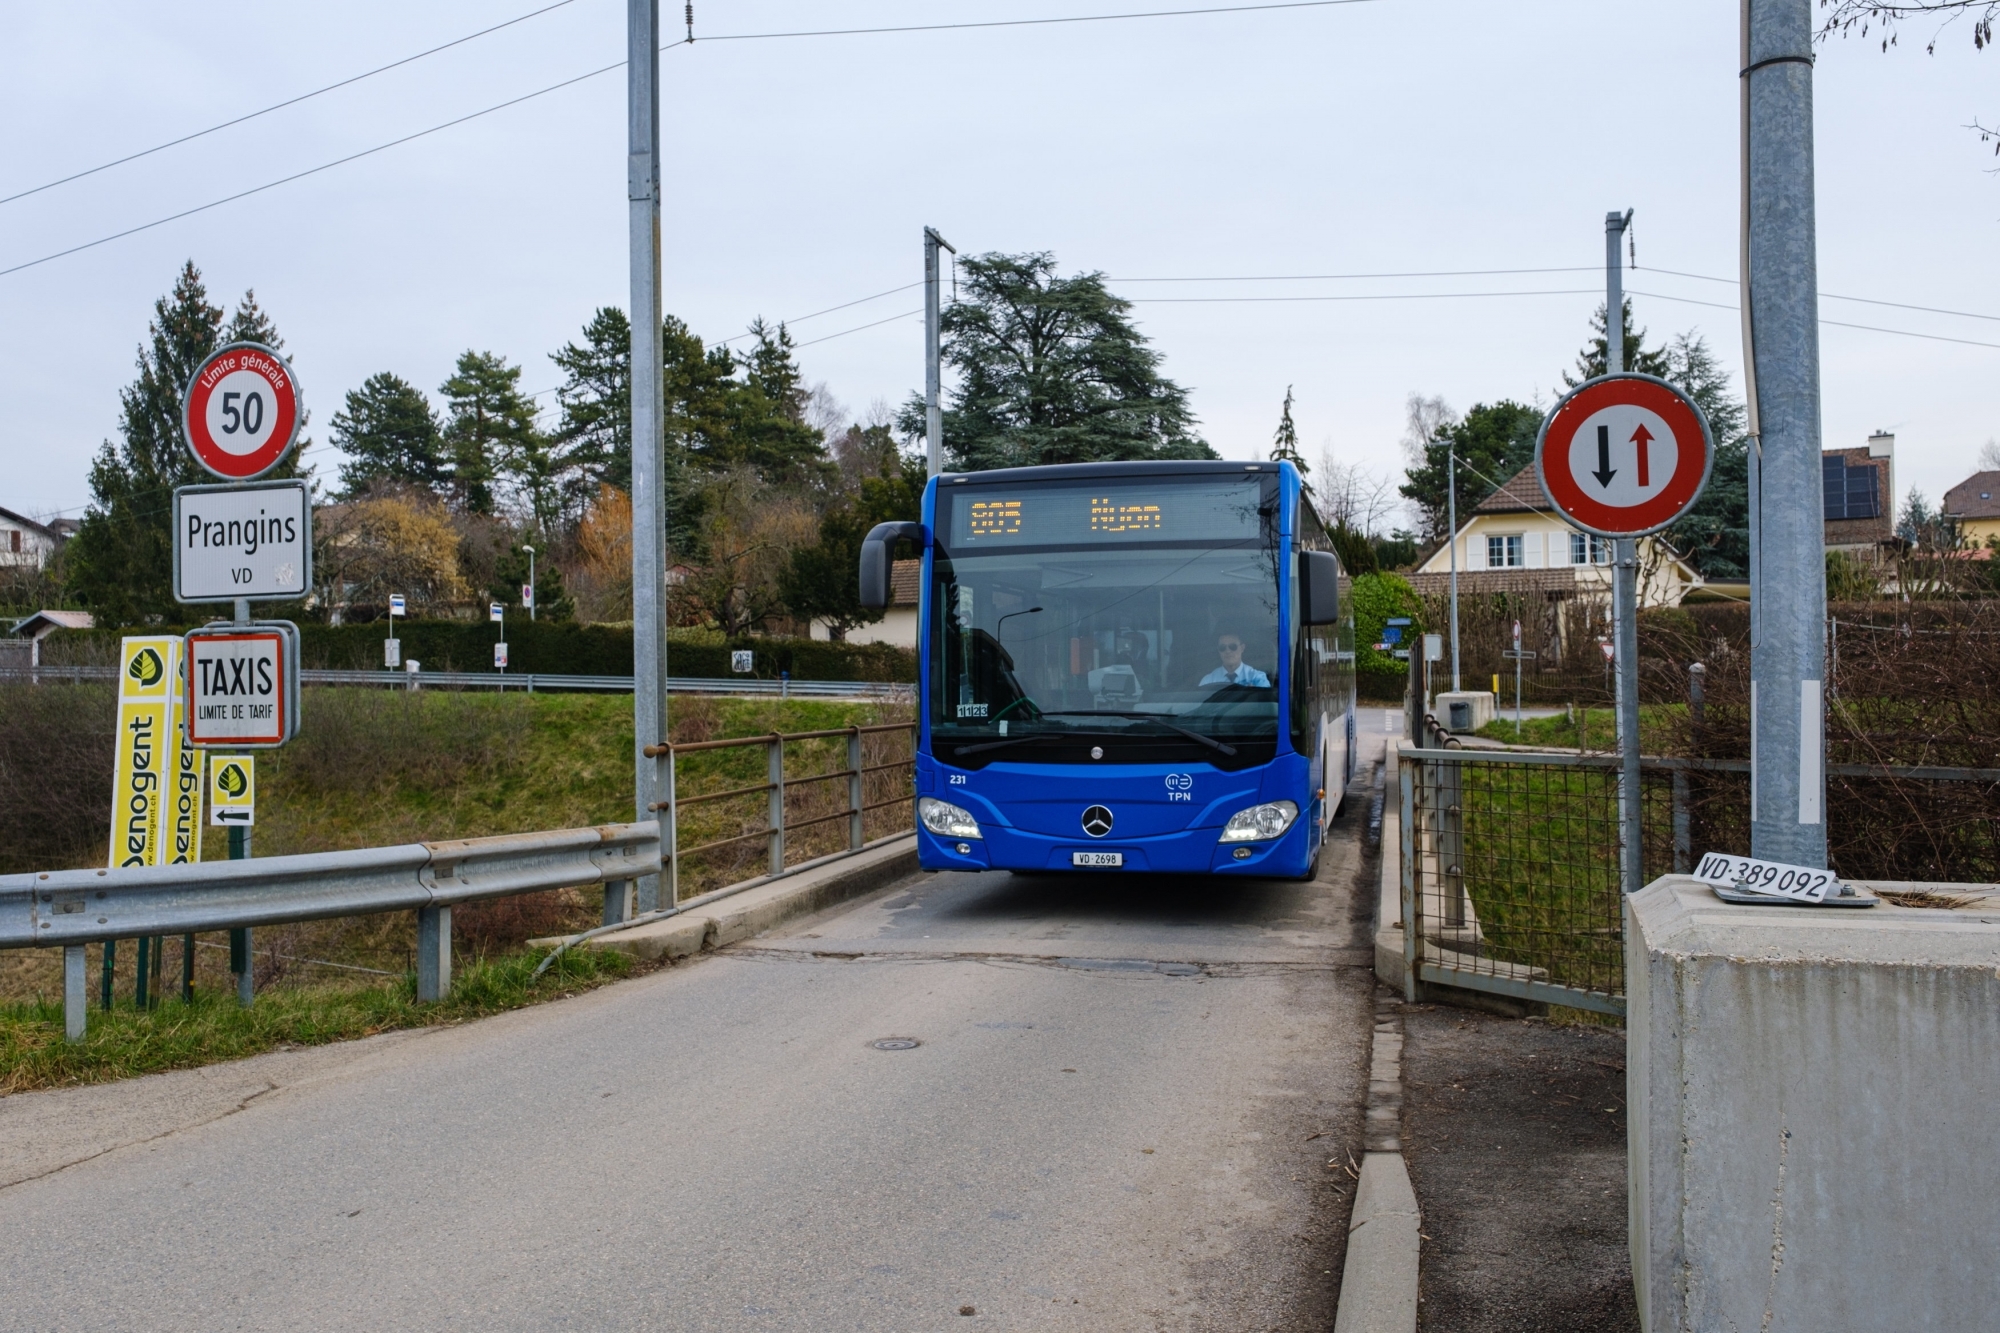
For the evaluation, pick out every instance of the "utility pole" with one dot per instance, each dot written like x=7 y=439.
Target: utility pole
x=649 y=509
x=531 y=580
x=1624 y=587
x=1451 y=521
x=933 y=413
x=1780 y=301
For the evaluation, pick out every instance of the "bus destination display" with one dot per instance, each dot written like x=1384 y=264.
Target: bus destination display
x=1201 y=510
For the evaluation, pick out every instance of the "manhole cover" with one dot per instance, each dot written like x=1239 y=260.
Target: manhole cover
x=895 y=1043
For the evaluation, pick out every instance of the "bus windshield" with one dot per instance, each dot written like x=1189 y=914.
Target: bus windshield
x=1129 y=622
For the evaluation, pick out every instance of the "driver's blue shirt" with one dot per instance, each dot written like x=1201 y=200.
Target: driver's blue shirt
x=1243 y=675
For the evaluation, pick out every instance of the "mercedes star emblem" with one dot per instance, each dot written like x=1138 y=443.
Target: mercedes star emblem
x=1097 y=821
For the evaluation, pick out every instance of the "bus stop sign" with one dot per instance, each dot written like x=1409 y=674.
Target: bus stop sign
x=1624 y=455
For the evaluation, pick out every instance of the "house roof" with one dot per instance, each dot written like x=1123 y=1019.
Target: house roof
x=43 y=623
x=1521 y=494
x=1978 y=496
x=27 y=522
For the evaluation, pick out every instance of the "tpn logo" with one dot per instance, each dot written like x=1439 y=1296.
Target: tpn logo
x=232 y=781
x=146 y=668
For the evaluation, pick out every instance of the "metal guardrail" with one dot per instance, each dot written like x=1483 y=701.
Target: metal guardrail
x=74 y=908
x=71 y=909
x=531 y=681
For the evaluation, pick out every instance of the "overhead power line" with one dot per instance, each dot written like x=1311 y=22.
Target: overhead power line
x=1350 y=296
x=280 y=106
x=309 y=171
x=606 y=69
x=1836 y=323
x=1359 y=277
x=1032 y=23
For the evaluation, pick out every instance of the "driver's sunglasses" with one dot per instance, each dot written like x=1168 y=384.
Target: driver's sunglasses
x=1229 y=646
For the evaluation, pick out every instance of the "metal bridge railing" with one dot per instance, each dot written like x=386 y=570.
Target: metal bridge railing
x=1510 y=869
x=747 y=686
x=779 y=821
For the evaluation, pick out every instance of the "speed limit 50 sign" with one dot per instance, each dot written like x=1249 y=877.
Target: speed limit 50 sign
x=242 y=412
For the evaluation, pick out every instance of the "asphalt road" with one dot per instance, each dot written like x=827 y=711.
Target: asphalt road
x=1128 y=1109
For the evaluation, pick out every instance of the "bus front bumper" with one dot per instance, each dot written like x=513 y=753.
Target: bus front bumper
x=1192 y=852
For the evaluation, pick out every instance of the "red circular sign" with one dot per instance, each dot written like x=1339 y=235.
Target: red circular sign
x=1624 y=455
x=242 y=411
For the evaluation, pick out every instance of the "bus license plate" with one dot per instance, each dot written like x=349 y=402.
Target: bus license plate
x=1097 y=858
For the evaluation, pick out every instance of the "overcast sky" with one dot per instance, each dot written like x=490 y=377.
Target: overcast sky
x=1383 y=137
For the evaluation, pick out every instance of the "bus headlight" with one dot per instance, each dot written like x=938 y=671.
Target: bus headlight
x=1260 y=822
x=945 y=819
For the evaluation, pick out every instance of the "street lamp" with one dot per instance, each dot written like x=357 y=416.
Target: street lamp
x=1451 y=505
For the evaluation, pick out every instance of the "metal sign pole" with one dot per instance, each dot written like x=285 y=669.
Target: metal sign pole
x=933 y=370
x=1781 y=347
x=649 y=509
x=1624 y=591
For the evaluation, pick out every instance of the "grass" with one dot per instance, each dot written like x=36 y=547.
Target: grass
x=127 y=1041
x=1592 y=729
x=374 y=769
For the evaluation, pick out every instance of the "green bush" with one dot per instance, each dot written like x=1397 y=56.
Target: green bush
x=1377 y=599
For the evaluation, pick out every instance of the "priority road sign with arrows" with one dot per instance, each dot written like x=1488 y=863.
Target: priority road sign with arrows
x=1624 y=455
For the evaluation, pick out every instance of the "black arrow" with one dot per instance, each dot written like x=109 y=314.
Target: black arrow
x=1604 y=472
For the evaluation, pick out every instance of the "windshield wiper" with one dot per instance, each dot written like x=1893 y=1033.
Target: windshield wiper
x=1011 y=740
x=1209 y=741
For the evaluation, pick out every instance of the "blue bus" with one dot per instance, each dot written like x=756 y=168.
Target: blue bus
x=1143 y=666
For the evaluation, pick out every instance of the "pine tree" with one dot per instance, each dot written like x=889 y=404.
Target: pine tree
x=595 y=433
x=1714 y=534
x=121 y=561
x=1285 y=444
x=490 y=433
x=1590 y=362
x=389 y=434
x=1052 y=370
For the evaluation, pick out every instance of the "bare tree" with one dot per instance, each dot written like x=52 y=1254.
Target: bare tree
x=1989 y=456
x=1424 y=419
x=1860 y=17
x=1349 y=493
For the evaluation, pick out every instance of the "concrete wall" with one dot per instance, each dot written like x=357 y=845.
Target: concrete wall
x=1813 y=1096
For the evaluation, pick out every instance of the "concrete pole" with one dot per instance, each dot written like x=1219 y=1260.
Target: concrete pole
x=1781 y=352
x=1624 y=590
x=933 y=370
x=649 y=508
x=1451 y=522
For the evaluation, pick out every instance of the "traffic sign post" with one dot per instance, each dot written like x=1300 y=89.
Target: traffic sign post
x=1624 y=455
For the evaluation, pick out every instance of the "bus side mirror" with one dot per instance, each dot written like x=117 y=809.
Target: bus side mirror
x=876 y=551
x=1319 y=587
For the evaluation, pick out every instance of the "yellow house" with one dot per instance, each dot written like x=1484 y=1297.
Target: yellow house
x=1975 y=503
x=1515 y=543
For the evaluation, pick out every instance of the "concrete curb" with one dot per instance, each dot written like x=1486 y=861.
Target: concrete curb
x=1378 y=1282
x=754 y=911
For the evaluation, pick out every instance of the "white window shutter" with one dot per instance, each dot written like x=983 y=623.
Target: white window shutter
x=1533 y=557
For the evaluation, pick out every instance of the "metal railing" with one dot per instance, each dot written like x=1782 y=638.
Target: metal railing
x=531 y=681
x=1510 y=865
x=72 y=909
x=778 y=822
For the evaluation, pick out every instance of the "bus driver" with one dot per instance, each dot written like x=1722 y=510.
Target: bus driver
x=1233 y=671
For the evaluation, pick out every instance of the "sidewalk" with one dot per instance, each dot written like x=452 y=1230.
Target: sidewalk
x=1515 y=1136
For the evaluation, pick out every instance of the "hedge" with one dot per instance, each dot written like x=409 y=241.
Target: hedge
x=553 y=648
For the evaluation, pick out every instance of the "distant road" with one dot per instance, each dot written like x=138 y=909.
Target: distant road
x=1120 y=1115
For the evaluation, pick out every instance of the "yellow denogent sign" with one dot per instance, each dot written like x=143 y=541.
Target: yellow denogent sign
x=148 y=670
x=180 y=840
